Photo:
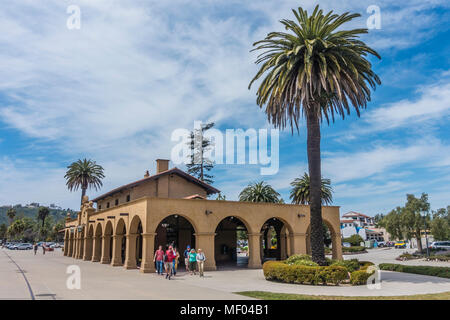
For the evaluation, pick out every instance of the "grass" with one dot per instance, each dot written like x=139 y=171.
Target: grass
x=265 y=295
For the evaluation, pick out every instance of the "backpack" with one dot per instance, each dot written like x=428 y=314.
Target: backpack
x=165 y=257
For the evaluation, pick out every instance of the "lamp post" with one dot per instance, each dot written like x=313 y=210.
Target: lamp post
x=424 y=214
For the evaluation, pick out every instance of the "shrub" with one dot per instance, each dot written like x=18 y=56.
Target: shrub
x=360 y=277
x=354 y=240
x=350 y=265
x=305 y=263
x=292 y=259
x=276 y=270
x=365 y=264
x=353 y=249
x=443 y=272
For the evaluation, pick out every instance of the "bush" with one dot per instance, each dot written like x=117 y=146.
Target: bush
x=280 y=271
x=360 y=277
x=350 y=265
x=354 y=240
x=439 y=257
x=363 y=265
x=354 y=249
x=309 y=263
x=443 y=272
x=292 y=259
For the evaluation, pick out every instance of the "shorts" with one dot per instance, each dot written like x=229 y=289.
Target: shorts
x=192 y=265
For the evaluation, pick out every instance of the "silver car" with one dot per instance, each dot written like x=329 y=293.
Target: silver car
x=443 y=245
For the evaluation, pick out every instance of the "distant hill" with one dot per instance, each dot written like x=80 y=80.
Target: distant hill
x=31 y=211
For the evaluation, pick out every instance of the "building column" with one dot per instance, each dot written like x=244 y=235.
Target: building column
x=67 y=247
x=87 y=248
x=130 y=251
x=97 y=248
x=206 y=242
x=77 y=246
x=336 y=243
x=298 y=243
x=148 y=251
x=80 y=247
x=66 y=241
x=106 y=248
x=116 y=259
x=254 y=247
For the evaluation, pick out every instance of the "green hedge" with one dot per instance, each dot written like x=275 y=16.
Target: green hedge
x=280 y=271
x=360 y=277
x=443 y=272
x=353 y=249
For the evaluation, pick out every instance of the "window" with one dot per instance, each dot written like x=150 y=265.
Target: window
x=128 y=198
x=99 y=207
x=117 y=202
x=107 y=205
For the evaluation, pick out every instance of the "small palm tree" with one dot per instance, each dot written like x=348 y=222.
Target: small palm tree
x=43 y=214
x=301 y=189
x=84 y=174
x=259 y=192
x=11 y=213
x=317 y=72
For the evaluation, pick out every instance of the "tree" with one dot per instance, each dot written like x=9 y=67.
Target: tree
x=259 y=192
x=412 y=219
x=315 y=71
x=3 y=230
x=200 y=165
x=301 y=189
x=221 y=196
x=392 y=222
x=84 y=174
x=11 y=213
x=43 y=214
x=440 y=225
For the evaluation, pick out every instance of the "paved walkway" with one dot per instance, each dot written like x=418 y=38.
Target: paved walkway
x=46 y=276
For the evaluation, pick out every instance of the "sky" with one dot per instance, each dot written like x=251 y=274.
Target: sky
x=115 y=89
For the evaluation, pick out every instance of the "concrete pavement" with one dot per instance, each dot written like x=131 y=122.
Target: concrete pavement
x=46 y=275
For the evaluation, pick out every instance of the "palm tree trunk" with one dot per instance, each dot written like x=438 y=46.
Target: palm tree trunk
x=83 y=193
x=315 y=175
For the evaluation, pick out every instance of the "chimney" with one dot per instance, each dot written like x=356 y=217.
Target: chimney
x=162 y=165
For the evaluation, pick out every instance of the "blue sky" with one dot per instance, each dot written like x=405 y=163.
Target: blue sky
x=137 y=70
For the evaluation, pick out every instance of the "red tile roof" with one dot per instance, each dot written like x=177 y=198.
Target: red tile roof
x=209 y=189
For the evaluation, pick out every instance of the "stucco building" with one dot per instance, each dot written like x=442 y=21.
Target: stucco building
x=170 y=207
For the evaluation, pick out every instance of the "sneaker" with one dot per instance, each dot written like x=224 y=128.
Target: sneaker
x=167 y=275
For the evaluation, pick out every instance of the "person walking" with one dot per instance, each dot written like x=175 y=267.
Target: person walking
x=175 y=260
x=200 y=261
x=43 y=248
x=186 y=257
x=35 y=248
x=159 y=259
x=192 y=261
x=168 y=262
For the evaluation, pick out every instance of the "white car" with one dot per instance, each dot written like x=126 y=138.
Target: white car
x=444 y=245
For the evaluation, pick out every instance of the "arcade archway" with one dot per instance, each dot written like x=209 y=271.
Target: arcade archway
x=231 y=246
x=275 y=244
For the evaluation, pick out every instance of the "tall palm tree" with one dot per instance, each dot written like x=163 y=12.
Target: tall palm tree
x=301 y=189
x=259 y=192
x=84 y=174
x=11 y=213
x=43 y=214
x=319 y=72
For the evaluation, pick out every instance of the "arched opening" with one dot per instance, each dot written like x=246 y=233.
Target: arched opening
x=122 y=240
x=107 y=250
x=98 y=243
x=89 y=243
x=136 y=229
x=329 y=240
x=275 y=240
x=176 y=231
x=231 y=245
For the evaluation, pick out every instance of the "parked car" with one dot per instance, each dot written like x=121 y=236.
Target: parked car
x=346 y=244
x=381 y=244
x=400 y=245
x=444 y=245
x=24 y=246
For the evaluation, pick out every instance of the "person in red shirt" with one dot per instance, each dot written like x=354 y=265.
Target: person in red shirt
x=159 y=259
x=168 y=261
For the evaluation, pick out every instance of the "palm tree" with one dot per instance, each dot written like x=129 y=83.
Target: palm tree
x=11 y=213
x=84 y=174
x=43 y=214
x=259 y=192
x=300 y=190
x=317 y=72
